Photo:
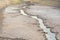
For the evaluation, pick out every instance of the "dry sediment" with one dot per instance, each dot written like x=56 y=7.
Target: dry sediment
x=20 y=27
x=50 y=16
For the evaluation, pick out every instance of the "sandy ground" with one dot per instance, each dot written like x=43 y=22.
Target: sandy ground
x=50 y=16
x=20 y=26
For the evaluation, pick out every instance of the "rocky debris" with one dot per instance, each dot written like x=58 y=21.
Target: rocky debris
x=50 y=16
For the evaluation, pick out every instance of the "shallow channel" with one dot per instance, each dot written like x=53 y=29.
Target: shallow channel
x=49 y=35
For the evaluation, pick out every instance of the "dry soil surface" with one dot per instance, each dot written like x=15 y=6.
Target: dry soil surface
x=19 y=26
x=50 y=16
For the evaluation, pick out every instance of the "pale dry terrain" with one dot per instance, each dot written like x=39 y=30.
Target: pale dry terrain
x=50 y=16
x=19 y=26
x=16 y=25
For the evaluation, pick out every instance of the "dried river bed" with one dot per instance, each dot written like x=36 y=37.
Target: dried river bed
x=15 y=16
x=49 y=35
x=50 y=16
x=19 y=27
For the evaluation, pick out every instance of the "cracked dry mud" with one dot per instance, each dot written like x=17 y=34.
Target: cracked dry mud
x=19 y=27
x=15 y=26
x=50 y=15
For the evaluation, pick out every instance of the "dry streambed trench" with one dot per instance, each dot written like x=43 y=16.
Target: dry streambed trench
x=49 y=35
x=19 y=27
x=31 y=35
x=50 y=16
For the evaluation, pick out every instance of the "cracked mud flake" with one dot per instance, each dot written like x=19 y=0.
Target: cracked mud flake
x=21 y=27
x=50 y=16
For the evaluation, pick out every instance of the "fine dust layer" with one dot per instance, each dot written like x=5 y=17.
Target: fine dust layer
x=50 y=16
x=21 y=27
